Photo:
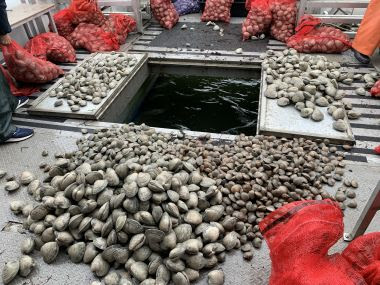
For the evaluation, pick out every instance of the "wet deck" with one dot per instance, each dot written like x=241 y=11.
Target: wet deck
x=58 y=135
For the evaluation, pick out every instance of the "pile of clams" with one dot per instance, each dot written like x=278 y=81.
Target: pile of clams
x=310 y=82
x=142 y=207
x=92 y=81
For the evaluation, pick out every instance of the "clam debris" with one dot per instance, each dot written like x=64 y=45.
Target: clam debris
x=165 y=207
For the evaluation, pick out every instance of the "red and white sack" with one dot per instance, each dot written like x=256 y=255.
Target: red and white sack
x=93 y=38
x=284 y=13
x=258 y=19
x=217 y=10
x=52 y=47
x=25 y=67
x=87 y=11
x=64 y=22
x=375 y=90
x=120 y=25
x=165 y=13
x=310 y=37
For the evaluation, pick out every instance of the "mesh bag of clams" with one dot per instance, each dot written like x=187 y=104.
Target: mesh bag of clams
x=258 y=19
x=217 y=10
x=15 y=89
x=120 y=25
x=284 y=13
x=310 y=37
x=299 y=236
x=52 y=47
x=164 y=12
x=25 y=67
x=86 y=11
x=185 y=7
x=64 y=22
x=375 y=90
x=162 y=207
x=93 y=38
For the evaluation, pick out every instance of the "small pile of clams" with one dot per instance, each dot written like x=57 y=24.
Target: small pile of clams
x=142 y=207
x=310 y=82
x=92 y=81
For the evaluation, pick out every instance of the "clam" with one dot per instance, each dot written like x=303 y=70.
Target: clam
x=76 y=252
x=11 y=186
x=180 y=278
x=340 y=126
x=139 y=270
x=26 y=177
x=99 y=266
x=27 y=264
x=27 y=246
x=10 y=271
x=216 y=277
x=49 y=251
x=112 y=278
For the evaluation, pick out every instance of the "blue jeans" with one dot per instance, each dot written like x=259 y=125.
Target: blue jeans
x=8 y=104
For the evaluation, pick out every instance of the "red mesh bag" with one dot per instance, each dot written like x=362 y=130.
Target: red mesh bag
x=93 y=38
x=258 y=19
x=16 y=90
x=375 y=90
x=87 y=11
x=364 y=255
x=120 y=25
x=164 y=12
x=284 y=13
x=64 y=22
x=310 y=37
x=299 y=236
x=52 y=47
x=377 y=149
x=25 y=67
x=217 y=10
x=248 y=5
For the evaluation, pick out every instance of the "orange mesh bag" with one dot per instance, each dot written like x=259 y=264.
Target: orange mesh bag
x=52 y=47
x=375 y=90
x=299 y=236
x=64 y=22
x=310 y=37
x=217 y=10
x=165 y=13
x=258 y=19
x=25 y=67
x=284 y=13
x=364 y=255
x=93 y=38
x=87 y=11
x=13 y=86
x=120 y=25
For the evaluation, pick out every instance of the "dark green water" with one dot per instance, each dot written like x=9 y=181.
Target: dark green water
x=209 y=104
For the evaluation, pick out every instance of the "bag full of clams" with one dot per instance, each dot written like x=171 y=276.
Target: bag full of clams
x=17 y=90
x=93 y=38
x=52 y=47
x=217 y=11
x=258 y=19
x=299 y=236
x=64 y=22
x=120 y=25
x=284 y=13
x=165 y=13
x=311 y=37
x=86 y=11
x=375 y=90
x=25 y=67
x=185 y=7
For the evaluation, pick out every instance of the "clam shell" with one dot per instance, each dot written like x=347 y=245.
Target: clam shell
x=180 y=278
x=11 y=186
x=10 y=271
x=112 y=278
x=136 y=242
x=26 y=177
x=27 y=246
x=99 y=266
x=27 y=264
x=215 y=277
x=76 y=252
x=183 y=232
x=139 y=270
x=49 y=251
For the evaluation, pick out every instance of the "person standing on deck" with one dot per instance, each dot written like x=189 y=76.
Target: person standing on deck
x=9 y=103
x=367 y=39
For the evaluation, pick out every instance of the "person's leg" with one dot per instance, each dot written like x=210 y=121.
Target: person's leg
x=367 y=38
x=8 y=104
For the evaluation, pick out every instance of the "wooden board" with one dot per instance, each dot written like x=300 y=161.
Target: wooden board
x=24 y=13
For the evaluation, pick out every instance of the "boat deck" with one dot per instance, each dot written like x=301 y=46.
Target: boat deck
x=59 y=134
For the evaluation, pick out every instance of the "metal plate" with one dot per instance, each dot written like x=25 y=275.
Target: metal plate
x=44 y=105
x=287 y=122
